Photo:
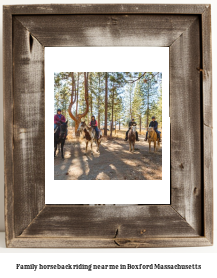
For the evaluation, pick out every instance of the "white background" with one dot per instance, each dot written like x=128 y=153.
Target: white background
x=139 y=59
x=205 y=255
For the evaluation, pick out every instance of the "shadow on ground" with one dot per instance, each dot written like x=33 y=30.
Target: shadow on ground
x=114 y=162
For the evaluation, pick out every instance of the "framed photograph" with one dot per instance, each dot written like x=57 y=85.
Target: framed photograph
x=115 y=78
x=125 y=99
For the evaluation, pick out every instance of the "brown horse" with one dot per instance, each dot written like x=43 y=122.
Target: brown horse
x=132 y=137
x=90 y=135
x=152 y=137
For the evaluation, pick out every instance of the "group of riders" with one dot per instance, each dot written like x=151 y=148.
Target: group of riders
x=59 y=118
x=153 y=124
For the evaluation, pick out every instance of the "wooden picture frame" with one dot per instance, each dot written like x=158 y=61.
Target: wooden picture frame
x=186 y=30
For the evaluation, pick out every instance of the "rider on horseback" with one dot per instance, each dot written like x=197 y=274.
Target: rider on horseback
x=58 y=119
x=153 y=124
x=132 y=122
x=94 y=124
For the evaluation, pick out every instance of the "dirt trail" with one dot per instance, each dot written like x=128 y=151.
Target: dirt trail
x=114 y=162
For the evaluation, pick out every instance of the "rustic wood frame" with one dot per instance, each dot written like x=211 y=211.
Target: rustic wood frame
x=188 y=220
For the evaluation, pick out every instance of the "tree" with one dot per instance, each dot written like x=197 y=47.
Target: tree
x=116 y=81
x=152 y=84
x=129 y=99
x=118 y=111
x=99 y=97
x=156 y=108
x=61 y=93
x=138 y=103
x=106 y=103
x=77 y=117
x=113 y=96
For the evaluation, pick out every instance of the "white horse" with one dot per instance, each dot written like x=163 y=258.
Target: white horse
x=90 y=135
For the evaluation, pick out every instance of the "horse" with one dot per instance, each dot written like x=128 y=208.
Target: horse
x=152 y=137
x=132 y=137
x=60 y=137
x=90 y=135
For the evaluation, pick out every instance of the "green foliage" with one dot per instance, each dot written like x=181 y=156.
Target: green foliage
x=62 y=93
x=130 y=94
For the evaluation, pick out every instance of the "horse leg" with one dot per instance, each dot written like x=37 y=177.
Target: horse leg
x=55 y=148
x=154 y=146
x=149 y=146
x=91 y=144
x=62 y=144
x=157 y=144
x=129 y=146
x=133 y=146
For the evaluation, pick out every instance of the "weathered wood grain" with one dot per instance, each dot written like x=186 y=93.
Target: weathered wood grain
x=109 y=222
x=185 y=116
x=207 y=66
x=106 y=9
x=107 y=30
x=29 y=121
x=8 y=125
x=208 y=183
x=207 y=122
x=69 y=242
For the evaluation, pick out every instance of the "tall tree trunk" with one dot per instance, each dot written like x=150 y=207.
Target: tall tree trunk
x=76 y=127
x=140 y=124
x=99 y=92
x=112 y=112
x=98 y=114
x=77 y=95
x=106 y=103
x=91 y=106
x=99 y=119
x=148 y=105
x=119 y=124
x=115 y=123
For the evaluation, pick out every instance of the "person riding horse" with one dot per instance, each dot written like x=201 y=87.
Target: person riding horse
x=153 y=124
x=58 y=119
x=94 y=124
x=132 y=122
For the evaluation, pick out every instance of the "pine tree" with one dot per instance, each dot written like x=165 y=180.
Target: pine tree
x=116 y=83
x=110 y=96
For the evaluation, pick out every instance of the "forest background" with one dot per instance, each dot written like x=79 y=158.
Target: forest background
x=113 y=97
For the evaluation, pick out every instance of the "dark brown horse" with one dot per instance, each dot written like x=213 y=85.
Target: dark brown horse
x=60 y=137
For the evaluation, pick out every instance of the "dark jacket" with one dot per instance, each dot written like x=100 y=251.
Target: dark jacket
x=132 y=123
x=93 y=123
x=154 y=124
